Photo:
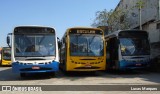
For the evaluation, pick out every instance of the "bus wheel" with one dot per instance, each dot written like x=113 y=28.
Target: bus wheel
x=1 y=64
x=51 y=73
x=92 y=72
x=23 y=74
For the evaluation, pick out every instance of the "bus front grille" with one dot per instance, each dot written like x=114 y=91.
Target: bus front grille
x=30 y=69
x=87 y=68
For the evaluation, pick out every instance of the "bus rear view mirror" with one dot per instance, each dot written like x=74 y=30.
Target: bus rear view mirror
x=8 y=39
x=59 y=42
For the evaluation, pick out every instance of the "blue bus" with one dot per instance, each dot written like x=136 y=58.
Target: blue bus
x=34 y=49
x=127 y=49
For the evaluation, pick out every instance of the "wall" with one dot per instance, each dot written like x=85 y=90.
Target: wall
x=150 y=16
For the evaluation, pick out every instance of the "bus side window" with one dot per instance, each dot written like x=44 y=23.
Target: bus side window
x=63 y=43
x=63 y=40
x=108 y=47
x=114 y=48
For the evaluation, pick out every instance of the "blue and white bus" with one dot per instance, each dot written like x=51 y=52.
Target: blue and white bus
x=127 y=49
x=34 y=49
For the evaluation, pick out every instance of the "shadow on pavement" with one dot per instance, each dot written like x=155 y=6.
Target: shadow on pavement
x=7 y=75
x=142 y=74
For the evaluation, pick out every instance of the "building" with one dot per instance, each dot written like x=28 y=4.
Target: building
x=129 y=17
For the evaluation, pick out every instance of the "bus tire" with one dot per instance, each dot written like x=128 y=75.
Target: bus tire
x=1 y=63
x=23 y=74
x=51 y=73
x=91 y=72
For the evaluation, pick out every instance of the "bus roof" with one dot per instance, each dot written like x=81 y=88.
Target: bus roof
x=5 y=48
x=34 y=26
x=84 y=28
x=115 y=33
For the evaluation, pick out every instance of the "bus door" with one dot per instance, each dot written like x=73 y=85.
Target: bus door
x=113 y=51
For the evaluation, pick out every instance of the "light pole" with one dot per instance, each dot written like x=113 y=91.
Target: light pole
x=140 y=4
x=140 y=19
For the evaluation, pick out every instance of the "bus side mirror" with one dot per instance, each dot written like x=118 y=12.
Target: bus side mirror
x=8 y=40
x=59 y=42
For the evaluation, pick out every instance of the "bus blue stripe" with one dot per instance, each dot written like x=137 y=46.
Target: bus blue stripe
x=16 y=67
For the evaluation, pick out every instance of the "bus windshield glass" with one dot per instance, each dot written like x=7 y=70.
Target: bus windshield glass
x=86 y=45
x=7 y=54
x=34 y=45
x=134 y=46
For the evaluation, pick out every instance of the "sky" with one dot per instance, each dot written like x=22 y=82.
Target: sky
x=59 y=14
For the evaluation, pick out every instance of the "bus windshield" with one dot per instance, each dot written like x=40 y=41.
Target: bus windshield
x=134 y=46
x=34 y=45
x=7 y=54
x=86 y=45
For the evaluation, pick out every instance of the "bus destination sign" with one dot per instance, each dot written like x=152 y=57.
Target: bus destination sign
x=83 y=31
x=86 y=31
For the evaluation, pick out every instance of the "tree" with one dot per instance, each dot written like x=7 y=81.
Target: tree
x=119 y=18
x=116 y=19
x=101 y=18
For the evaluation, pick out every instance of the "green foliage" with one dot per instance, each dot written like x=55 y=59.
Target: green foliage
x=140 y=4
x=101 y=18
x=117 y=19
x=111 y=18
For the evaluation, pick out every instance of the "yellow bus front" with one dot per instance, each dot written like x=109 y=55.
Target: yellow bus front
x=86 y=50
x=6 y=56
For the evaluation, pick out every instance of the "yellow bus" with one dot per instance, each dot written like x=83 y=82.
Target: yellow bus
x=83 y=49
x=6 y=56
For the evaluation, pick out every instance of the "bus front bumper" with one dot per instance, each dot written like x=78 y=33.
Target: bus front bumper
x=5 y=62
x=124 y=65
x=21 y=68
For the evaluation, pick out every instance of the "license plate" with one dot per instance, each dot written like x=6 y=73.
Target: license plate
x=35 y=68
x=138 y=64
x=88 y=66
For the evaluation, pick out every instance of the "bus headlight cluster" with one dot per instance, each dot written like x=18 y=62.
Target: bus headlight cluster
x=136 y=61
x=21 y=63
x=45 y=63
x=86 y=62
